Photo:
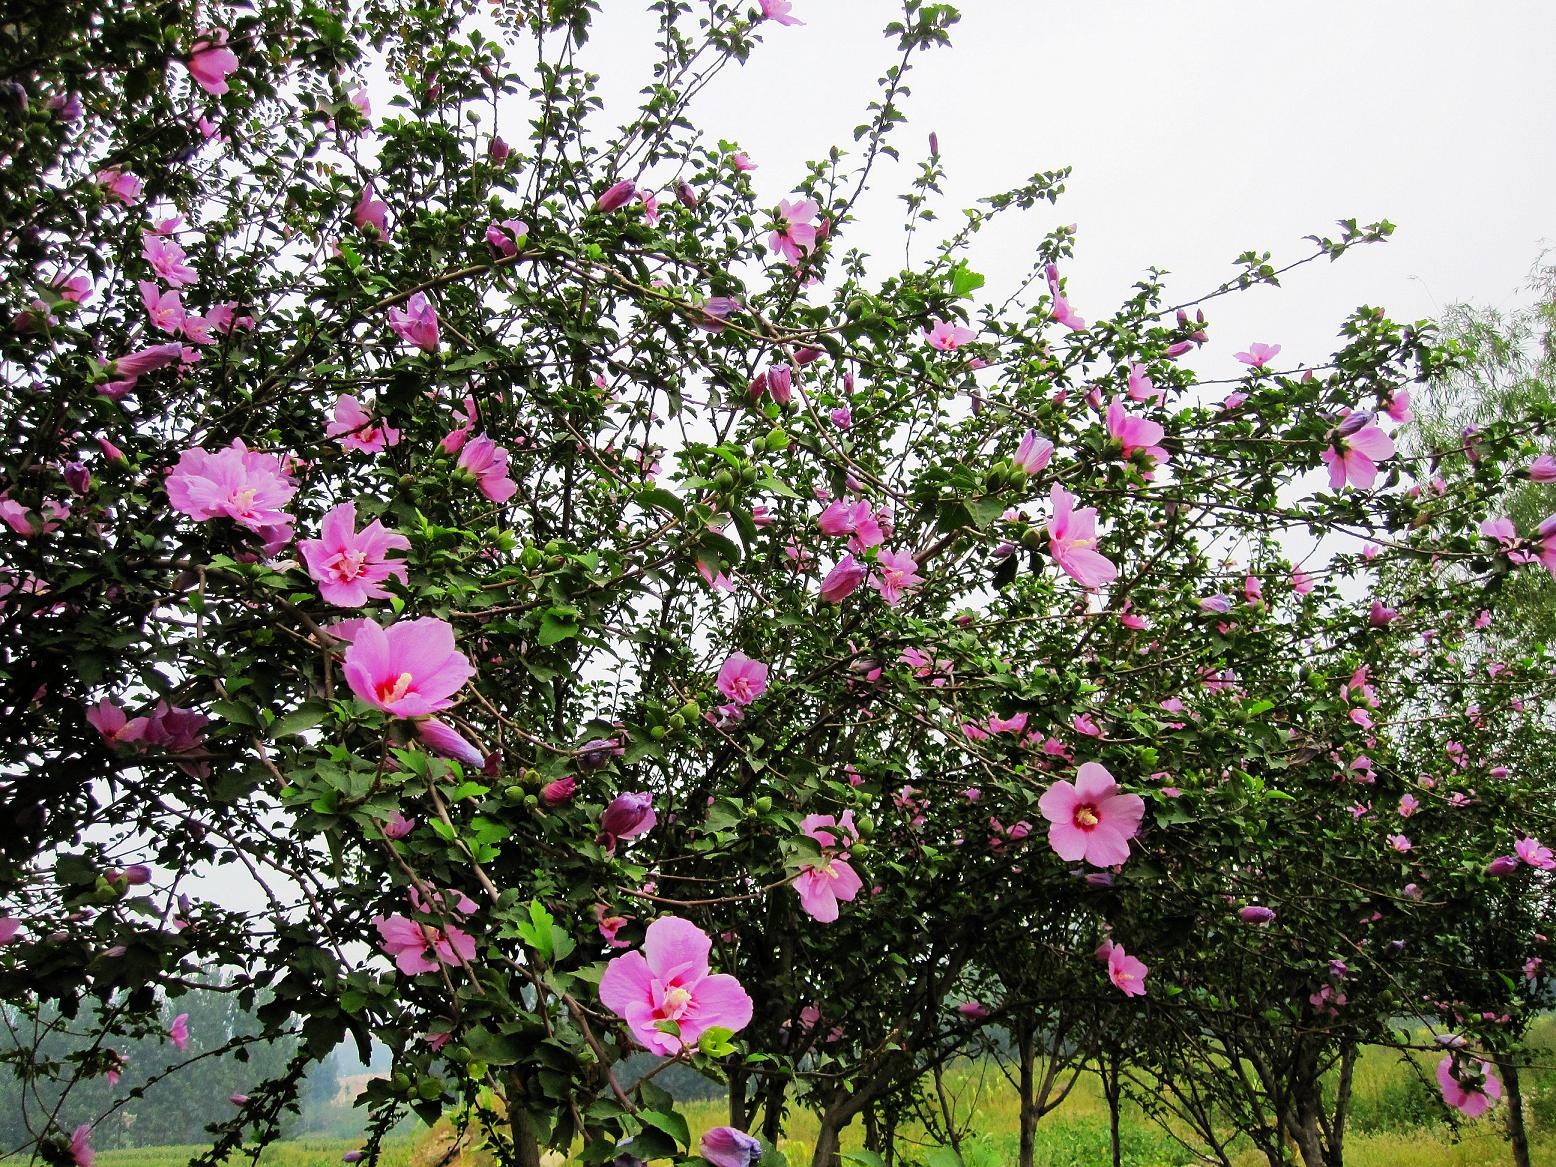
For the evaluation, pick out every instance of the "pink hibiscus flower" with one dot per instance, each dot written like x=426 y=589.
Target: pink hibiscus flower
x=410 y=669
x=796 y=235
x=1072 y=535
x=1090 y=819
x=1126 y=972
x=350 y=565
x=245 y=486
x=1354 y=449
x=822 y=885
x=742 y=679
x=1470 y=1088
x=211 y=61
x=356 y=430
x=669 y=980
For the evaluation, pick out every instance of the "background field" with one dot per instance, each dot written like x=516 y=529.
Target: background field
x=1397 y=1121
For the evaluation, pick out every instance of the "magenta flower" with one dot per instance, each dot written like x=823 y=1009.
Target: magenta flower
x=1354 y=448
x=669 y=980
x=559 y=792
x=796 y=235
x=422 y=948
x=1502 y=865
x=243 y=485
x=1543 y=469
x=146 y=360
x=1126 y=972
x=178 y=1032
x=9 y=927
x=1471 y=1089
x=617 y=196
x=948 y=337
x=742 y=162
x=780 y=383
x=822 y=885
x=1259 y=354
x=503 y=238
x=777 y=11
x=724 y=1146
x=1033 y=452
x=895 y=572
x=398 y=826
x=1141 y=387
x=629 y=814
x=80 y=1146
x=166 y=309
x=447 y=742
x=125 y=187
x=417 y=324
x=487 y=462
x=371 y=212
x=356 y=430
x=1255 y=914
x=167 y=259
x=742 y=679
x=1535 y=854
x=211 y=61
x=1091 y=820
x=1072 y=535
x=843 y=580
x=1135 y=434
x=410 y=669
x=1063 y=313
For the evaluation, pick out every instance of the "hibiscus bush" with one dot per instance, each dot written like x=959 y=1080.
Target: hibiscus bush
x=529 y=592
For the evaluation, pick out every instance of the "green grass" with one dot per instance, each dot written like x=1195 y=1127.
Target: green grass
x=1397 y=1121
x=293 y=1153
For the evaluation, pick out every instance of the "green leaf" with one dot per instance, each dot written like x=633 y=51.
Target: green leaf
x=306 y=716
x=558 y=625
x=868 y=1158
x=670 y=1123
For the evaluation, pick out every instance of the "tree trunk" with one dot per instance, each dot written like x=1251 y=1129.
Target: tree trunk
x=773 y=1092
x=1026 y=1051
x=1517 y=1135
x=1111 y=1090
x=526 y=1144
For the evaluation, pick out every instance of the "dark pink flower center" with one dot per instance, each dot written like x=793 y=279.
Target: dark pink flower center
x=347 y=565
x=395 y=690
x=1086 y=816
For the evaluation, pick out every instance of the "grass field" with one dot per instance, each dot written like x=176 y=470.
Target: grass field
x=1396 y=1122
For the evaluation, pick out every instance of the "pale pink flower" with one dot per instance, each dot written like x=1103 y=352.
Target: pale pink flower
x=843 y=580
x=1399 y=406
x=417 y=324
x=211 y=61
x=1072 y=537
x=503 y=238
x=167 y=259
x=1471 y=1089
x=1301 y=581
x=447 y=742
x=1135 y=434
x=1400 y=843
x=796 y=235
x=1354 y=448
x=398 y=826
x=1408 y=805
x=650 y=208
x=717 y=580
x=895 y=573
x=410 y=669
x=81 y=1152
x=1033 y=452
x=1062 y=312
x=822 y=885
x=948 y=337
x=166 y=309
x=669 y=980
x=243 y=485
x=487 y=462
x=742 y=162
x=178 y=1032
x=1543 y=469
x=356 y=430
x=1090 y=819
x=122 y=185
x=1259 y=354
x=350 y=565
x=777 y=11
x=609 y=925
x=1126 y=972
x=370 y=212
x=616 y=196
x=742 y=679
x=1141 y=387
x=422 y=948
x=1535 y=854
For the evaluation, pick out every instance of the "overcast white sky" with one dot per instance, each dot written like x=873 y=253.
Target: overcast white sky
x=1197 y=129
